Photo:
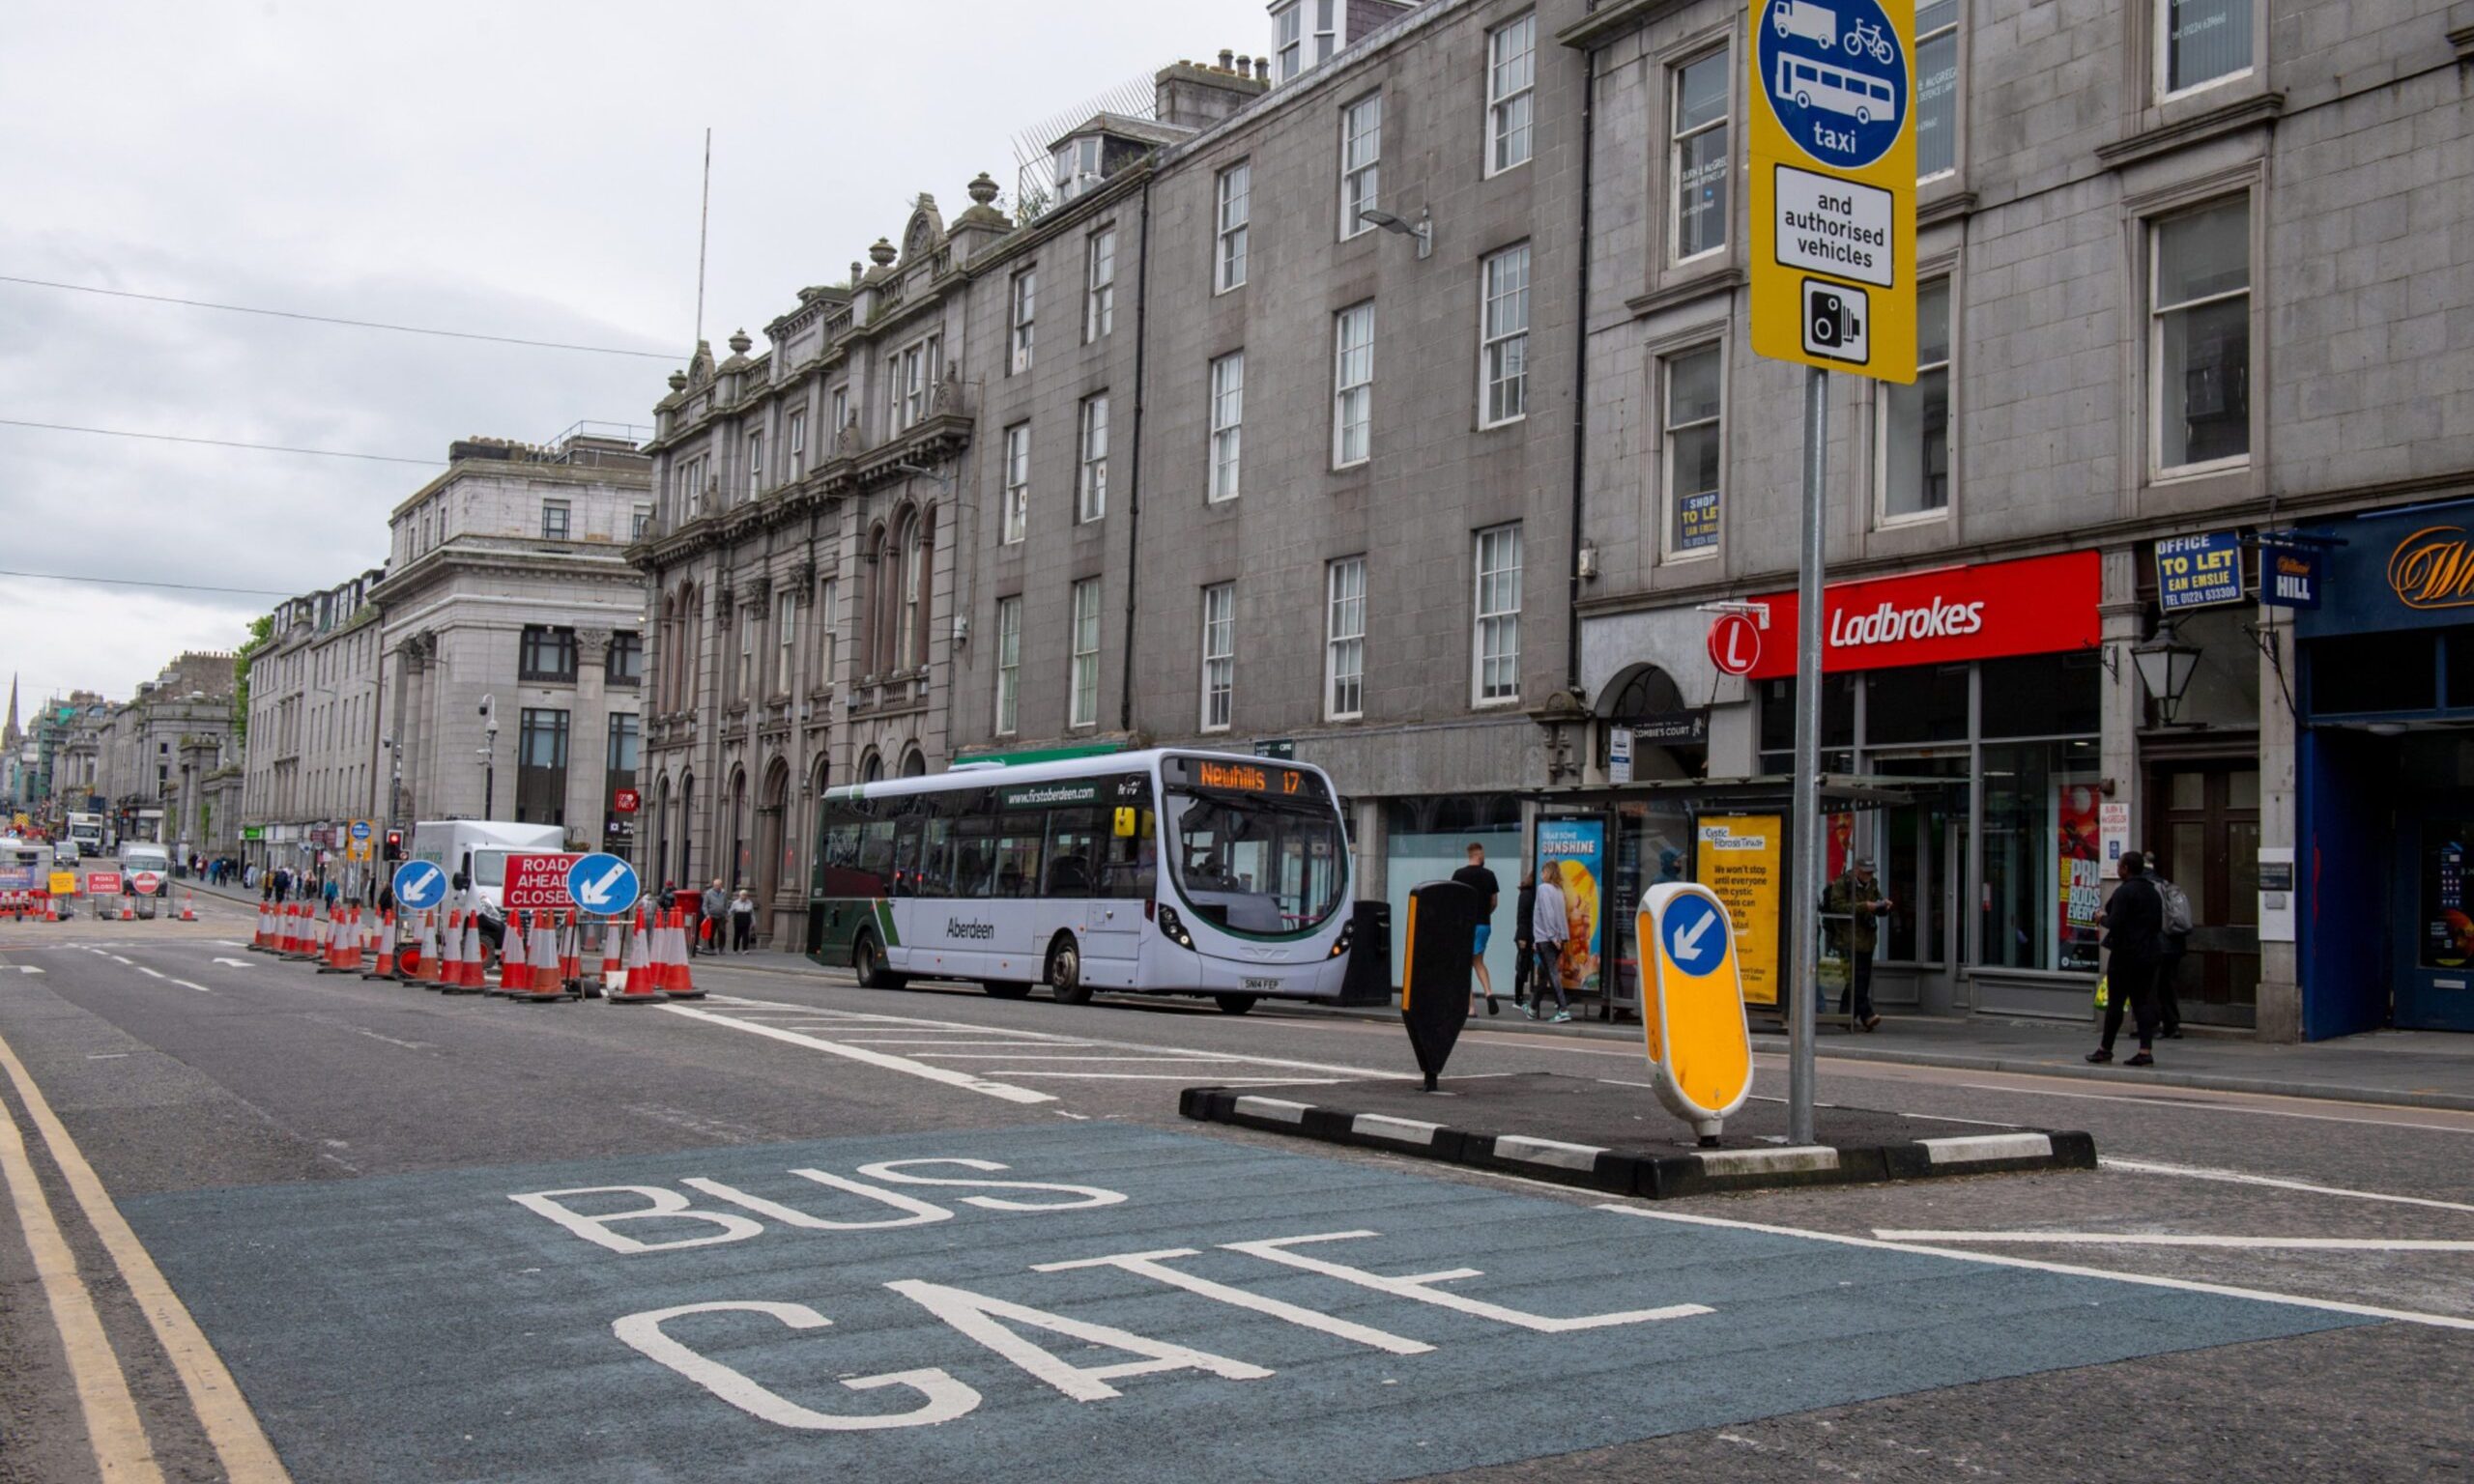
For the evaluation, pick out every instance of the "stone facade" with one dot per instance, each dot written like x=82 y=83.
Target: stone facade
x=505 y=587
x=2334 y=145
x=151 y=756
x=312 y=763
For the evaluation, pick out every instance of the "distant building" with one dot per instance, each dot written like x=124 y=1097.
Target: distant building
x=152 y=754
x=506 y=585
x=313 y=755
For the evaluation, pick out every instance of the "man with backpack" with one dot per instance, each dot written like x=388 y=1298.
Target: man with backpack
x=2169 y=964
x=2134 y=923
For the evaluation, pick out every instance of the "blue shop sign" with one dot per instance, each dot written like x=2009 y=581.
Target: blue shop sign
x=2291 y=575
x=2198 y=571
x=2399 y=569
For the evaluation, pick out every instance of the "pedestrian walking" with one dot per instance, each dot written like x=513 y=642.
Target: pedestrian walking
x=2134 y=924
x=1477 y=878
x=1523 y=941
x=1549 y=927
x=2178 y=924
x=713 y=907
x=742 y=922
x=1851 y=911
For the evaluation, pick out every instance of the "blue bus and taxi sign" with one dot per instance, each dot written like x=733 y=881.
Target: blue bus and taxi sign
x=1832 y=150
x=1692 y=1015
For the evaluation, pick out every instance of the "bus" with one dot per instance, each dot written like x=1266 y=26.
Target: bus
x=1819 y=85
x=1166 y=872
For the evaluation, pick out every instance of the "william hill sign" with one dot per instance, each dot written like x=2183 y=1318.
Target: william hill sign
x=2409 y=569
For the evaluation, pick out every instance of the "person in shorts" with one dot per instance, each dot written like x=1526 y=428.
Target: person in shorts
x=1477 y=878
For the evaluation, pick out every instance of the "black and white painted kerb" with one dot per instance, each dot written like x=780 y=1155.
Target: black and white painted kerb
x=1651 y=1175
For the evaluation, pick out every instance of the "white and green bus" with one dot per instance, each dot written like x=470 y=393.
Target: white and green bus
x=1161 y=873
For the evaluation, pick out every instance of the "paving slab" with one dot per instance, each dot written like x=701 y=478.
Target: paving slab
x=1603 y=1134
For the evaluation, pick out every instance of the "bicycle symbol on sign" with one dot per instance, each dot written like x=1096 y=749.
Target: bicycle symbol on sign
x=1863 y=36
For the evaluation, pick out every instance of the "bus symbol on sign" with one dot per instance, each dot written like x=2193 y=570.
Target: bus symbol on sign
x=1835 y=79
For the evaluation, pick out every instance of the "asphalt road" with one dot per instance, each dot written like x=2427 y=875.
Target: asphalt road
x=801 y=1226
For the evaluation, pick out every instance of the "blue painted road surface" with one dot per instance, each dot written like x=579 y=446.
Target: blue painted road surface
x=1098 y=1302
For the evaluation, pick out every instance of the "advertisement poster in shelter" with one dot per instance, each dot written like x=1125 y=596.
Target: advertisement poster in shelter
x=1738 y=858
x=2077 y=811
x=1572 y=852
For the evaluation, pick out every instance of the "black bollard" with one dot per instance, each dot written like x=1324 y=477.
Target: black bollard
x=1437 y=948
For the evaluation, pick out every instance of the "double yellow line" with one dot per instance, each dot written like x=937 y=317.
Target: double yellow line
x=122 y=1452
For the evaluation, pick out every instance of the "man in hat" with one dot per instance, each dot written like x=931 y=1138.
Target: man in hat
x=1852 y=908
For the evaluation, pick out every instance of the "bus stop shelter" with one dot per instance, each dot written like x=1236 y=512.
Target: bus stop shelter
x=1607 y=846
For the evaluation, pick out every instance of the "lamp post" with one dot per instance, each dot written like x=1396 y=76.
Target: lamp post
x=2165 y=666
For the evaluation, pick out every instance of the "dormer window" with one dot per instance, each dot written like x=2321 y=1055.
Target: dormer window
x=1078 y=166
x=1306 y=34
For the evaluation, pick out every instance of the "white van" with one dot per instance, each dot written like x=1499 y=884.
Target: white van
x=141 y=855
x=473 y=852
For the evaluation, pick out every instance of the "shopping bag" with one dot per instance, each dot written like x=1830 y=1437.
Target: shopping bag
x=2104 y=990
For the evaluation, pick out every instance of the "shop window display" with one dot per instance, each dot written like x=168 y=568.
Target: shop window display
x=2043 y=878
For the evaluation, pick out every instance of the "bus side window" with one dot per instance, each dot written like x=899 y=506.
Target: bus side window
x=1017 y=855
x=974 y=856
x=906 y=858
x=1073 y=851
x=936 y=859
x=1132 y=867
x=874 y=864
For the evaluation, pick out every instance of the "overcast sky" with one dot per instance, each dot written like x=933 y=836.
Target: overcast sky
x=526 y=170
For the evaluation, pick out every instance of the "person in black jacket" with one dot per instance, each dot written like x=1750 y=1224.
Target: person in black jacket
x=1523 y=939
x=2134 y=923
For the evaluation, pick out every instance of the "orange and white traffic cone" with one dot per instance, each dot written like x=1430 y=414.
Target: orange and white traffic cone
x=417 y=954
x=612 y=965
x=516 y=967
x=571 y=958
x=476 y=954
x=128 y=910
x=189 y=906
x=443 y=976
x=682 y=973
x=638 y=983
x=385 y=929
x=549 y=964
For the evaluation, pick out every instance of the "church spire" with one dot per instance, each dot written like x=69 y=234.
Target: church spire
x=11 y=734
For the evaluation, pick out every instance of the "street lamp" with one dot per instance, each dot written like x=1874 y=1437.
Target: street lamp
x=1423 y=229
x=489 y=757
x=2165 y=666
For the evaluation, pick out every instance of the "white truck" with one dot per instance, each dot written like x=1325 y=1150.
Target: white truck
x=473 y=852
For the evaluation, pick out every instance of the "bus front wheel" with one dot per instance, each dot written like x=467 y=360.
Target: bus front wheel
x=868 y=964
x=1065 y=972
x=1235 y=1004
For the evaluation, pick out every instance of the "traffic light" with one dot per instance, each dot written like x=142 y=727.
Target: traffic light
x=394 y=844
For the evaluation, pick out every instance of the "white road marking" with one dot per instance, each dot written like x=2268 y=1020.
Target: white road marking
x=902 y=1064
x=148 y=973
x=2204 y=1106
x=25 y=968
x=238 y=963
x=105 y=1056
x=1154 y=1076
x=858 y=1018
x=117 y=959
x=2183 y=1239
x=2067 y=1270
x=186 y=984
x=1033 y=1056
x=408 y=1045
x=2239 y=1177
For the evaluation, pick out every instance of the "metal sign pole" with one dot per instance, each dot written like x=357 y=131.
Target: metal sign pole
x=1806 y=900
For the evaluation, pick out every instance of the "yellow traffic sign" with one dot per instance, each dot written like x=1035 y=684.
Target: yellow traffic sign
x=1832 y=150
x=64 y=883
x=1692 y=1016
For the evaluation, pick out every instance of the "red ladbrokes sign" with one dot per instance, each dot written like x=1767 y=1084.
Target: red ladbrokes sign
x=2042 y=605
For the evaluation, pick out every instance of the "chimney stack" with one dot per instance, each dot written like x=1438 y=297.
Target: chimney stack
x=1262 y=69
x=1225 y=55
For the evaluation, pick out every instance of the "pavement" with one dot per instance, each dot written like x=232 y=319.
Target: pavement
x=805 y=1228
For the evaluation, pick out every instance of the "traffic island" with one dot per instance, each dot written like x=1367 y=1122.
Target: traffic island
x=1612 y=1136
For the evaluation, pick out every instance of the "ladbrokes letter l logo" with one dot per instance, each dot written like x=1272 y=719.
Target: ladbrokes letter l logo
x=2433 y=568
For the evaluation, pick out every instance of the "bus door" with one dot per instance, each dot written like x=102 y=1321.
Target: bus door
x=1111 y=930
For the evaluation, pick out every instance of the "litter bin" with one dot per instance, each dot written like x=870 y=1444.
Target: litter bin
x=1368 y=981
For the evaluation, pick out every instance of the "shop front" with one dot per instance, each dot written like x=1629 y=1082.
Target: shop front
x=2386 y=775
x=1978 y=690
x=1963 y=725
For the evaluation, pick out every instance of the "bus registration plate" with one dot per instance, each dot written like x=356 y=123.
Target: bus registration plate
x=1265 y=986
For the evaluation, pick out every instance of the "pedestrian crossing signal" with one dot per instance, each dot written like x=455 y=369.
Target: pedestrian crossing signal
x=394 y=845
